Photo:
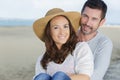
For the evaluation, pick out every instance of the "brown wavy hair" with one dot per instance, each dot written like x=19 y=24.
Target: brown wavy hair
x=52 y=52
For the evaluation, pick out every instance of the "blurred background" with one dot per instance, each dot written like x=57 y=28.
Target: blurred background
x=20 y=48
x=24 y=12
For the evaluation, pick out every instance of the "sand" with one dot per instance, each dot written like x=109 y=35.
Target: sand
x=20 y=48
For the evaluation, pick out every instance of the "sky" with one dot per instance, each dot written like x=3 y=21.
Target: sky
x=34 y=9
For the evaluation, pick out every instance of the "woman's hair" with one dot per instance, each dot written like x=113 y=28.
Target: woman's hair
x=52 y=52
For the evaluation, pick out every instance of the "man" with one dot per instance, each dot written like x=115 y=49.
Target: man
x=92 y=17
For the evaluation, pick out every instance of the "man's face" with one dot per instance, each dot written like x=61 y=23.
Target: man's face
x=90 y=20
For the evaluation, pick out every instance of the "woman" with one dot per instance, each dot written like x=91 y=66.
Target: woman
x=64 y=59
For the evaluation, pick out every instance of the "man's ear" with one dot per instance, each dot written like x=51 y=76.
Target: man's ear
x=102 y=21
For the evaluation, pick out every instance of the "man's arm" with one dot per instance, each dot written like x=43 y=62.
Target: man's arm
x=102 y=60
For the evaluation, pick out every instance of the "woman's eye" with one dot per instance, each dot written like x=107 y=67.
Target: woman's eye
x=55 y=27
x=66 y=26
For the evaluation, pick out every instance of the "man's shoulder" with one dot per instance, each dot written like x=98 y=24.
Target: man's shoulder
x=103 y=39
x=100 y=39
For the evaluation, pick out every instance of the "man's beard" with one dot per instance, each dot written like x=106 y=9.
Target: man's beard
x=87 y=32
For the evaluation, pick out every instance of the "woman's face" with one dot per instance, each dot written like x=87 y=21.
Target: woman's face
x=60 y=30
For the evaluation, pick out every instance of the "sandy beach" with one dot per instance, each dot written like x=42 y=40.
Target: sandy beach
x=20 y=48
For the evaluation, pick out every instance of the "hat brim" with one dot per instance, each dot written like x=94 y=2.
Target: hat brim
x=40 y=24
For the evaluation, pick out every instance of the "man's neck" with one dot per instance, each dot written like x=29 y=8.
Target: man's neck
x=86 y=37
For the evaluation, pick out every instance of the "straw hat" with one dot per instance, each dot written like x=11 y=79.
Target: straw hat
x=40 y=24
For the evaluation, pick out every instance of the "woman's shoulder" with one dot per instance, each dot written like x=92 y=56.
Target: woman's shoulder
x=82 y=44
x=40 y=57
x=82 y=48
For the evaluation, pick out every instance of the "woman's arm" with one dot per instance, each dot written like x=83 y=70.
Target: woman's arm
x=83 y=62
x=79 y=77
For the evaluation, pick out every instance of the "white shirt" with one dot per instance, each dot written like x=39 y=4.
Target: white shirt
x=81 y=62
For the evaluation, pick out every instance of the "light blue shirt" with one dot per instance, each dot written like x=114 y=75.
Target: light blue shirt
x=101 y=47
